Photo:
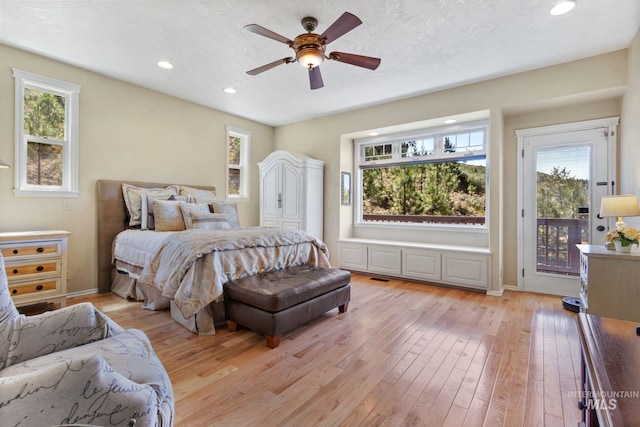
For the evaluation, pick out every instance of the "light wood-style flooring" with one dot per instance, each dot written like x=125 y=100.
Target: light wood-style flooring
x=404 y=354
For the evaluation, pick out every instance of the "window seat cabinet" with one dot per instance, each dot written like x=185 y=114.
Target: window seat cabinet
x=451 y=265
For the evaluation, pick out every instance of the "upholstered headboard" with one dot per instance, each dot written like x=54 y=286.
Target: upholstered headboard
x=112 y=219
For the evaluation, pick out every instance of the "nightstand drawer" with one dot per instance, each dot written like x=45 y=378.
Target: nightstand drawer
x=32 y=269
x=27 y=288
x=30 y=249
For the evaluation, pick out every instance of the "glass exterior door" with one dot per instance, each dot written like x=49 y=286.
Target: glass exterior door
x=565 y=176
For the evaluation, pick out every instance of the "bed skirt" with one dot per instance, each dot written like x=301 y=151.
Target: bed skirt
x=203 y=323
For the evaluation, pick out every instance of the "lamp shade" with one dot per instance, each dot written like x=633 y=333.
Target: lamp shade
x=619 y=206
x=3 y=164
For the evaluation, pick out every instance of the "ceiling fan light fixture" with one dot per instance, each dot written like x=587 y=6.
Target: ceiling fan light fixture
x=310 y=57
x=562 y=7
x=310 y=48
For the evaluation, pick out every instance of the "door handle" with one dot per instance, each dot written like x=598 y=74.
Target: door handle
x=600 y=228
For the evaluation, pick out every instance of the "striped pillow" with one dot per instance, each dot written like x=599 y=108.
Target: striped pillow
x=209 y=221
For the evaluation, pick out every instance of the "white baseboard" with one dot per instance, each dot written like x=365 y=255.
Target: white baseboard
x=82 y=293
x=497 y=293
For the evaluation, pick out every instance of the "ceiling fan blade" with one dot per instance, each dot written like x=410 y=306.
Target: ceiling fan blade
x=340 y=27
x=269 y=66
x=257 y=29
x=315 y=78
x=358 y=60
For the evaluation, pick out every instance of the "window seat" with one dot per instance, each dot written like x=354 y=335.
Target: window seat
x=464 y=266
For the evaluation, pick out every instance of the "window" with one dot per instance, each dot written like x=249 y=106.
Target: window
x=434 y=176
x=238 y=162
x=46 y=136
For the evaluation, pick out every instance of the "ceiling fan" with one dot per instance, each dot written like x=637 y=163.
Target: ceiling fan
x=310 y=47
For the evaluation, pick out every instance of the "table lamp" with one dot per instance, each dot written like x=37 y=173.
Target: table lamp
x=619 y=206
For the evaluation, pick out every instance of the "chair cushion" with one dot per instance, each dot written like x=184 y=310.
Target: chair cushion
x=275 y=291
x=107 y=382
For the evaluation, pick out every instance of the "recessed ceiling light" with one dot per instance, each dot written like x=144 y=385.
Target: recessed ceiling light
x=450 y=121
x=165 y=64
x=562 y=7
x=229 y=90
x=373 y=134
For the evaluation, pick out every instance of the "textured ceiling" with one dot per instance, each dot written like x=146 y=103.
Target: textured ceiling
x=425 y=45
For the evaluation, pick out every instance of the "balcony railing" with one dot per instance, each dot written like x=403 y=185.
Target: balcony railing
x=474 y=220
x=556 y=246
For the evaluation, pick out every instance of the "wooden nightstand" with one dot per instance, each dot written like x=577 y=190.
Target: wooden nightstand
x=36 y=265
x=609 y=283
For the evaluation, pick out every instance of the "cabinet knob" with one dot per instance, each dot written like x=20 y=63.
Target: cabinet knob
x=15 y=251
x=39 y=268
x=15 y=291
x=40 y=250
x=39 y=287
x=15 y=271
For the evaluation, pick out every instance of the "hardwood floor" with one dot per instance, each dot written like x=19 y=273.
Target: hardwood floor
x=404 y=354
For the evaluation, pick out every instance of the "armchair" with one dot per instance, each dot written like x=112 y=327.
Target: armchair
x=76 y=366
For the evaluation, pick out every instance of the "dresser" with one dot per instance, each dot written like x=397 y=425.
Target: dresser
x=291 y=192
x=609 y=283
x=610 y=386
x=36 y=265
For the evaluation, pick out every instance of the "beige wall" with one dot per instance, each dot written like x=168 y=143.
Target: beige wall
x=576 y=90
x=126 y=133
x=630 y=128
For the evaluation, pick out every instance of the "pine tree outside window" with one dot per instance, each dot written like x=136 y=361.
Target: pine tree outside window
x=430 y=177
x=238 y=163
x=46 y=136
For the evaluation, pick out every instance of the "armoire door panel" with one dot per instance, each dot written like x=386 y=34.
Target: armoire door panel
x=269 y=205
x=291 y=188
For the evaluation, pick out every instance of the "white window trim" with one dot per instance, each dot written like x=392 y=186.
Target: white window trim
x=244 y=167
x=403 y=136
x=71 y=92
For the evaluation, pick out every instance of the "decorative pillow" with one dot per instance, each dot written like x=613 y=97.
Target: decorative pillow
x=228 y=208
x=209 y=221
x=168 y=216
x=133 y=199
x=198 y=195
x=188 y=208
x=148 y=216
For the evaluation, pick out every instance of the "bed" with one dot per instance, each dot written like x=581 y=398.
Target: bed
x=185 y=270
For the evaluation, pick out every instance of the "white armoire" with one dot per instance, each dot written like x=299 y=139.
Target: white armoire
x=291 y=192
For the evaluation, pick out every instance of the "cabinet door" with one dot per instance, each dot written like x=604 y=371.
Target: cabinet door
x=385 y=260
x=465 y=269
x=421 y=264
x=291 y=193
x=269 y=192
x=353 y=256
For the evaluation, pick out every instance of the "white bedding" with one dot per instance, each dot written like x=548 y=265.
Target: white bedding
x=136 y=247
x=190 y=267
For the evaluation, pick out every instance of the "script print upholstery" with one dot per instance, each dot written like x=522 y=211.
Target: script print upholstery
x=76 y=366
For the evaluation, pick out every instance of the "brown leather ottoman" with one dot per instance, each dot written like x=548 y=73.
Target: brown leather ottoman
x=278 y=301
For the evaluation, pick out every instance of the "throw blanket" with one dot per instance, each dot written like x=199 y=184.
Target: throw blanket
x=191 y=267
